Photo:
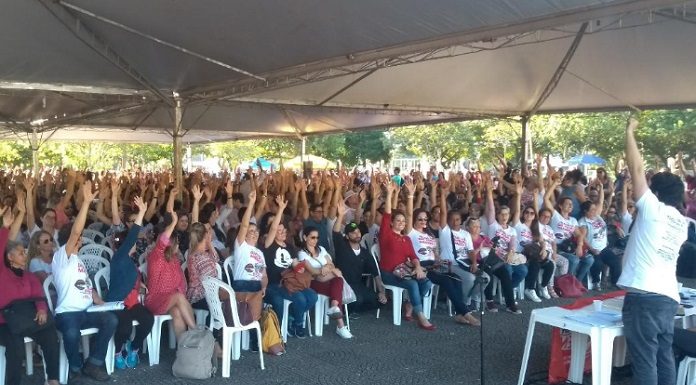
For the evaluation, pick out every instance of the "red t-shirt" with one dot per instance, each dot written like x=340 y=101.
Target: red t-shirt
x=394 y=248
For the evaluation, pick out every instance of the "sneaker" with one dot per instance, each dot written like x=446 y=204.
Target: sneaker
x=532 y=295
x=491 y=306
x=344 y=333
x=95 y=372
x=513 y=309
x=596 y=286
x=545 y=293
x=300 y=332
x=120 y=361
x=133 y=359
x=334 y=312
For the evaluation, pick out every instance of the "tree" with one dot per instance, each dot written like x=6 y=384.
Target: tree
x=280 y=148
x=236 y=152
x=367 y=145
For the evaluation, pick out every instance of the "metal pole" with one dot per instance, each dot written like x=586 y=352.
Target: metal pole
x=178 y=114
x=525 y=135
x=304 y=149
x=35 y=153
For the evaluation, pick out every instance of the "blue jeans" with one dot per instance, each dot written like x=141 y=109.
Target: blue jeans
x=70 y=323
x=302 y=301
x=416 y=288
x=649 y=329
x=579 y=267
x=608 y=258
x=517 y=273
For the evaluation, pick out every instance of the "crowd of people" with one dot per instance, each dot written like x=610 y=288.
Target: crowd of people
x=410 y=230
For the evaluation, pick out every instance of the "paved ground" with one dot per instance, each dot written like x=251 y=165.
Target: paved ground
x=382 y=353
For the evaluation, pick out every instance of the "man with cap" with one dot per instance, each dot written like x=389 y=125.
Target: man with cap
x=354 y=261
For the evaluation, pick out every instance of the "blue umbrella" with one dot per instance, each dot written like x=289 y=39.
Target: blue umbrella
x=265 y=163
x=586 y=159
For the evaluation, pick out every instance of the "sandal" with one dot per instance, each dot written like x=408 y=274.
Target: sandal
x=552 y=292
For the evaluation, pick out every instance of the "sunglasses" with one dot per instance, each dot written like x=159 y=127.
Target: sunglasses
x=44 y=241
x=313 y=237
x=422 y=219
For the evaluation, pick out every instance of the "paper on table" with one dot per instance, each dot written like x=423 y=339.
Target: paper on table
x=597 y=318
x=106 y=306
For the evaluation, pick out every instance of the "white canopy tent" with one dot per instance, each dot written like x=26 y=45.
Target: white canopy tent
x=211 y=70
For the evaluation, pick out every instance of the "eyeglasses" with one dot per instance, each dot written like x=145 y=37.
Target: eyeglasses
x=422 y=219
x=313 y=237
x=130 y=221
x=44 y=241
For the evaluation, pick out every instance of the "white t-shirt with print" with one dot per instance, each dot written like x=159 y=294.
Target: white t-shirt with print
x=506 y=237
x=72 y=282
x=249 y=263
x=424 y=244
x=563 y=228
x=462 y=241
x=596 y=232
x=549 y=236
x=650 y=260
x=316 y=262
x=524 y=236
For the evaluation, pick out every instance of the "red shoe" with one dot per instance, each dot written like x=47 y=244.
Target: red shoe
x=429 y=328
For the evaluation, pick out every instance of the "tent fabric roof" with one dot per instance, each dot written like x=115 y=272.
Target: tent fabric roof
x=79 y=69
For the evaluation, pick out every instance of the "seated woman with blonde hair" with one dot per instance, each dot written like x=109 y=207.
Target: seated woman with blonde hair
x=40 y=253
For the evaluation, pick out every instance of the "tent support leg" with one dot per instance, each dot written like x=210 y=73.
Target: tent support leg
x=525 y=139
x=34 y=142
x=176 y=133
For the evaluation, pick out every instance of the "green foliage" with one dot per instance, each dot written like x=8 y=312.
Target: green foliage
x=351 y=149
x=235 y=152
x=280 y=148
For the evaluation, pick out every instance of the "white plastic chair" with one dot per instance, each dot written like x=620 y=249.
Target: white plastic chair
x=320 y=317
x=229 y=342
x=228 y=266
x=96 y=250
x=436 y=292
x=687 y=371
x=93 y=264
x=105 y=275
x=398 y=294
x=285 y=321
x=28 y=345
x=96 y=226
x=3 y=364
x=86 y=241
x=155 y=336
x=106 y=241
x=64 y=366
x=94 y=235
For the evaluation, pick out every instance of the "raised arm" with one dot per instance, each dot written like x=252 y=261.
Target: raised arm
x=197 y=195
x=340 y=214
x=69 y=189
x=624 y=198
x=516 y=202
x=76 y=231
x=443 y=207
x=391 y=186
x=270 y=237
x=31 y=217
x=261 y=205
x=411 y=188
x=489 y=211
x=376 y=193
x=17 y=222
x=101 y=216
x=115 y=191
x=635 y=161
x=244 y=226
x=549 y=193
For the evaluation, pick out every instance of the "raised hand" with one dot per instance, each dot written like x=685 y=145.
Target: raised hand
x=142 y=206
x=281 y=202
x=196 y=190
x=87 y=193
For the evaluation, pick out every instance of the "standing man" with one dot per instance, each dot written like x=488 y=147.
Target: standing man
x=649 y=271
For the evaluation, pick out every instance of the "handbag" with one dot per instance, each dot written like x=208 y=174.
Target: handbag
x=348 y=293
x=568 y=286
x=404 y=270
x=294 y=281
x=20 y=317
x=492 y=261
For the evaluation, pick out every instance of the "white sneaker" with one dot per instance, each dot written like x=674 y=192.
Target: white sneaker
x=344 y=332
x=334 y=312
x=545 y=293
x=531 y=295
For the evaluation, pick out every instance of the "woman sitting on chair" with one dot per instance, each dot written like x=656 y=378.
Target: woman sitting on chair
x=125 y=285
x=426 y=245
x=396 y=250
x=166 y=282
x=41 y=248
x=281 y=255
x=17 y=284
x=250 y=278
x=328 y=280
